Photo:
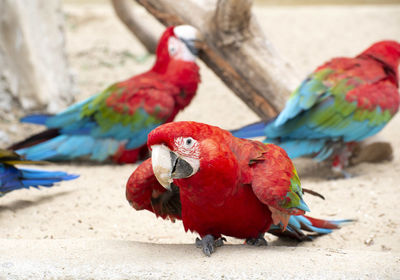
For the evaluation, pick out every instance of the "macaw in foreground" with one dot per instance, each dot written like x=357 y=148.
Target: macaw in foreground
x=218 y=184
x=115 y=123
x=341 y=103
x=12 y=178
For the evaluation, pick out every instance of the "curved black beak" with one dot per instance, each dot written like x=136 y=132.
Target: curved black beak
x=167 y=165
x=180 y=167
x=191 y=45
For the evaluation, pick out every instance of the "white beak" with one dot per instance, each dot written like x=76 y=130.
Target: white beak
x=162 y=165
x=168 y=165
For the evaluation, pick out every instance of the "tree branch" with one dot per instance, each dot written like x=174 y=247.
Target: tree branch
x=235 y=48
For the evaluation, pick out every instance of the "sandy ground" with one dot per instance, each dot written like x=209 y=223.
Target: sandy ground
x=93 y=207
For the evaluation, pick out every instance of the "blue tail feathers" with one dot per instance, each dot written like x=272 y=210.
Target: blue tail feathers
x=12 y=178
x=251 y=130
x=298 y=224
x=36 y=119
x=67 y=147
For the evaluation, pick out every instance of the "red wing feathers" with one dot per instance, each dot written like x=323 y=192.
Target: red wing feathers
x=144 y=192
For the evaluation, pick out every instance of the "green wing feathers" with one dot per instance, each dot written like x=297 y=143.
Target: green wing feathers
x=276 y=184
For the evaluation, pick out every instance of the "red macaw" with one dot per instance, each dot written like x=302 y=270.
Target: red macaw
x=115 y=123
x=341 y=103
x=221 y=185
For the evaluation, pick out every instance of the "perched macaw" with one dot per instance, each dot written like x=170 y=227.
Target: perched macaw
x=341 y=103
x=218 y=185
x=114 y=123
x=13 y=178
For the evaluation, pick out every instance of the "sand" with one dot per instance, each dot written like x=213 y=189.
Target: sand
x=81 y=225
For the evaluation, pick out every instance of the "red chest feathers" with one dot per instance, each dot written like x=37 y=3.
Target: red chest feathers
x=240 y=215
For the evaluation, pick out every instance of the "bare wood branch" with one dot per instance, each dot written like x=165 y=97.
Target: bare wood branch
x=237 y=83
x=129 y=18
x=235 y=49
x=232 y=19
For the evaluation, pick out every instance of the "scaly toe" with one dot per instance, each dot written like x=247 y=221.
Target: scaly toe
x=260 y=241
x=219 y=242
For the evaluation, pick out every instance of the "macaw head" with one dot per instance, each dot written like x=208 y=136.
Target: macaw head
x=385 y=51
x=183 y=150
x=177 y=43
x=176 y=54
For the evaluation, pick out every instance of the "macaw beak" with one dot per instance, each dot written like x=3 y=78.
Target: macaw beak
x=167 y=165
x=192 y=45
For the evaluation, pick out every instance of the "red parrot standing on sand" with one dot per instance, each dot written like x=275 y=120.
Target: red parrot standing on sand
x=221 y=185
x=115 y=123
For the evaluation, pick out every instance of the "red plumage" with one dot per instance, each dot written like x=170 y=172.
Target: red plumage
x=240 y=186
x=167 y=88
x=373 y=74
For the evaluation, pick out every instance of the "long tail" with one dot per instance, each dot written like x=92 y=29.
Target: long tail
x=36 y=118
x=252 y=130
x=70 y=147
x=36 y=138
x=34 y=178
x=298 y=224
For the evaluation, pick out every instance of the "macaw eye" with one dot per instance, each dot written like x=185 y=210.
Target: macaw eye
x=188 y=142
x=172 y=50
x=172 y=46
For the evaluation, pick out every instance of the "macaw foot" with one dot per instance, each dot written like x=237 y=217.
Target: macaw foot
x=341 y=161
x=259 y=241
x=347 y=175
x=208 y=244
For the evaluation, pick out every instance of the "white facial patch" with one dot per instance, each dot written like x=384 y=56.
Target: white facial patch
x=187 y=146
x=194 y=163
x=178 y=50
x=189 y=150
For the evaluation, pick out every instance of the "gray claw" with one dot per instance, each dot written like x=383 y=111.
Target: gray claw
x=219 y=242
x=259 y=241
x=208 y=244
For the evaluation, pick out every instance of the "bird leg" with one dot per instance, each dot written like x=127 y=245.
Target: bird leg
x=208 y=244
x=341 y=161
x=258 y=241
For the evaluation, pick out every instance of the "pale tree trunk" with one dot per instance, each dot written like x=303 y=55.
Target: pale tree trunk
x=34 y=72
x=235 y=48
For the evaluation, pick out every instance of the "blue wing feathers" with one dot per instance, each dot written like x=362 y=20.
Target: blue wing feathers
x=84 y=136
x=299 y=148
x=312 y=118
x=291 y=109
x=70 y=116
